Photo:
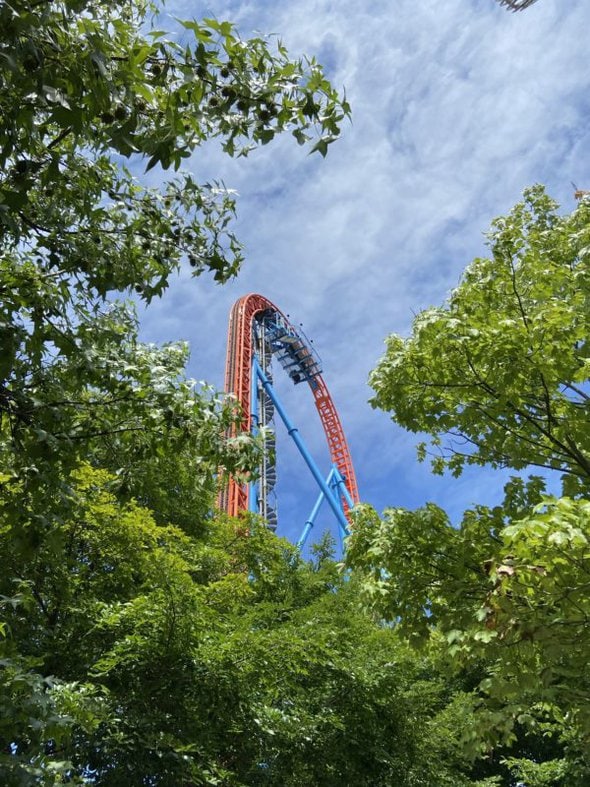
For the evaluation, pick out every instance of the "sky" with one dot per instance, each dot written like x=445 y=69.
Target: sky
x=457 y=106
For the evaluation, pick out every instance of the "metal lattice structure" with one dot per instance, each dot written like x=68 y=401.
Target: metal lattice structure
x=516 y=5
x=258 y=334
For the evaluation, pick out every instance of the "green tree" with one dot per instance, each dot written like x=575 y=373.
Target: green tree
x=501 y=370
x=137 y=653
x=498 y=376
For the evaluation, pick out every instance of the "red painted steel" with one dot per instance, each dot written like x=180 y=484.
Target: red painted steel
x=238 y=371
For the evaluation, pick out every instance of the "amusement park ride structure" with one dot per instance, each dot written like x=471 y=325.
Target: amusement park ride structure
x=259 y=332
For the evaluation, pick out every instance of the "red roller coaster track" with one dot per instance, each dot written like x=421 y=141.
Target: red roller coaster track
x=238 y=380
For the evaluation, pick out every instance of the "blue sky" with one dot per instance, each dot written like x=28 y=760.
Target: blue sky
x=457 y=106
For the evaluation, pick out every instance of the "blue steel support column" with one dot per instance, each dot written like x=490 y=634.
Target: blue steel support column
x=294 y=433
x=341 y=532
x=341 y=486
x=314 y=512
x=253 y=486
x=335 y=492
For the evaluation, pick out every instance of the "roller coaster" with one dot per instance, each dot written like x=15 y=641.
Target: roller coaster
x=258 y=333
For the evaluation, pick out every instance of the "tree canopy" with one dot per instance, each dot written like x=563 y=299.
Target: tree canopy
x=135 y=653
x=498 y=376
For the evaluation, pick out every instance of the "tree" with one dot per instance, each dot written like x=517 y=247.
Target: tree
x=150 y=656
x=501 y=370
x=498 y=376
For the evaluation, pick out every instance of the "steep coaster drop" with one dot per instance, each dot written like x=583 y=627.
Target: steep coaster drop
x=258 y=331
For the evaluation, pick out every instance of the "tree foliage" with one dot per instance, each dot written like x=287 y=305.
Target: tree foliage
x=498 y=376
x=136 y=653
x=501 y=370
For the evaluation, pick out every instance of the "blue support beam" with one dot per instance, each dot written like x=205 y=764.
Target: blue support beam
x=342 y=488
x=334 y=486
x=314 y=512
